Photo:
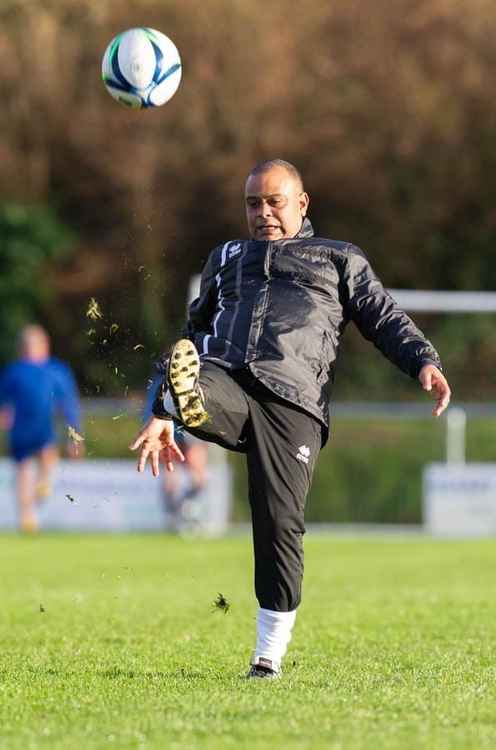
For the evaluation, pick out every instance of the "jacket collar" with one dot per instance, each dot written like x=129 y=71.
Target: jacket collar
x=306 y=229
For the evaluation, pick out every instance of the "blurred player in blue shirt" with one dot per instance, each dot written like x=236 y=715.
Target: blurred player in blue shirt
x=32 y=390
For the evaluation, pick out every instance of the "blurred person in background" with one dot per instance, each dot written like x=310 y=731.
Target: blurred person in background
x=256 y=371
x=181 y=492
x=32 y=390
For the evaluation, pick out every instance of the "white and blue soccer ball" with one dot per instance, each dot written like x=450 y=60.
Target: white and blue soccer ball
x=141 y=68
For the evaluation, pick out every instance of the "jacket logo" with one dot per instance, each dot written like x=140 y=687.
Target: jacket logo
x=234 y=250
x=303 y=453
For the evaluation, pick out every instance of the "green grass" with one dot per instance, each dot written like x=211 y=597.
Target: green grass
x=394 y=647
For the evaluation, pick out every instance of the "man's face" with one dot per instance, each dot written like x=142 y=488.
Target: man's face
x=275 y=205
x=35 y=344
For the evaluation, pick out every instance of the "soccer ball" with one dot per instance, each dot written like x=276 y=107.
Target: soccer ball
x=141 y=68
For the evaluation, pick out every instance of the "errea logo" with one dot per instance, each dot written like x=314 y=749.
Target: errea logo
x=234 y=250
x=303 y=453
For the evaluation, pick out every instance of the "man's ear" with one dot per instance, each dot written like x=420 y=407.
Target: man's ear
x=304 y=201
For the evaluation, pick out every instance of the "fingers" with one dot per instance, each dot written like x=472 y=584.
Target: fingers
x=156 y=441
x=155 y=463
x=137 y=442
x=170 y=453
x=149 y=442
x=152 y=430
x=145 y=452
x=433 y=379
x=426 y=379
x=149 y=449
x=179 y=455
x=153 y=450
x=443 y=393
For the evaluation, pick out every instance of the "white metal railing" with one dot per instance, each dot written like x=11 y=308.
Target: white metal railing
x=417 y=300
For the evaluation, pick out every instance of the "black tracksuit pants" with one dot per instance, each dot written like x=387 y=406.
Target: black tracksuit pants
x=281 y=443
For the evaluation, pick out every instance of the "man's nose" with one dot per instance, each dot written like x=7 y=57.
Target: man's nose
x=264 y=209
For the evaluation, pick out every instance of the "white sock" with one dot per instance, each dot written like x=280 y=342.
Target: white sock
x=273 y=635
x=169 y=404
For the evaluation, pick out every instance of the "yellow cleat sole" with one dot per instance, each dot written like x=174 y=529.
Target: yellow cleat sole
x=182 y=376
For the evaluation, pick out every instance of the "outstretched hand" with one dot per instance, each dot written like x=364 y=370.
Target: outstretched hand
x=433 y=380
x=156 y=441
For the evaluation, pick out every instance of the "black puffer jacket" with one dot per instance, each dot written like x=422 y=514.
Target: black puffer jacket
x=280 y=308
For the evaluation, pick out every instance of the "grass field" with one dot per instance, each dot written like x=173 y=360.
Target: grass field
x=112 y=642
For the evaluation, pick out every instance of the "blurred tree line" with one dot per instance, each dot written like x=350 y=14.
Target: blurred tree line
x=387 y=108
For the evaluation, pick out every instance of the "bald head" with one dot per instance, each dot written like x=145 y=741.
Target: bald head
x=265 y=166
x=275 y=201
x=34 y=343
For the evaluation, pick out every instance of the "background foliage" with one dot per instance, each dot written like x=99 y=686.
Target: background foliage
x=32 y=239
x=387 y=109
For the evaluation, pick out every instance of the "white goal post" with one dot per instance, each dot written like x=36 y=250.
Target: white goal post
x=433 y=301
x=459 y=499
x=416 y=300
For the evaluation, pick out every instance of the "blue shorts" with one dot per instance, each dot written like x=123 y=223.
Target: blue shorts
x=21 y=451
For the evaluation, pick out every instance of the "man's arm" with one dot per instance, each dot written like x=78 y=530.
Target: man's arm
x=393 y=332
x=67 y=396
x=67 y=400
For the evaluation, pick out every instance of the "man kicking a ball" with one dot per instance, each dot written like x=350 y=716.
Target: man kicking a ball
x=255 y=372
